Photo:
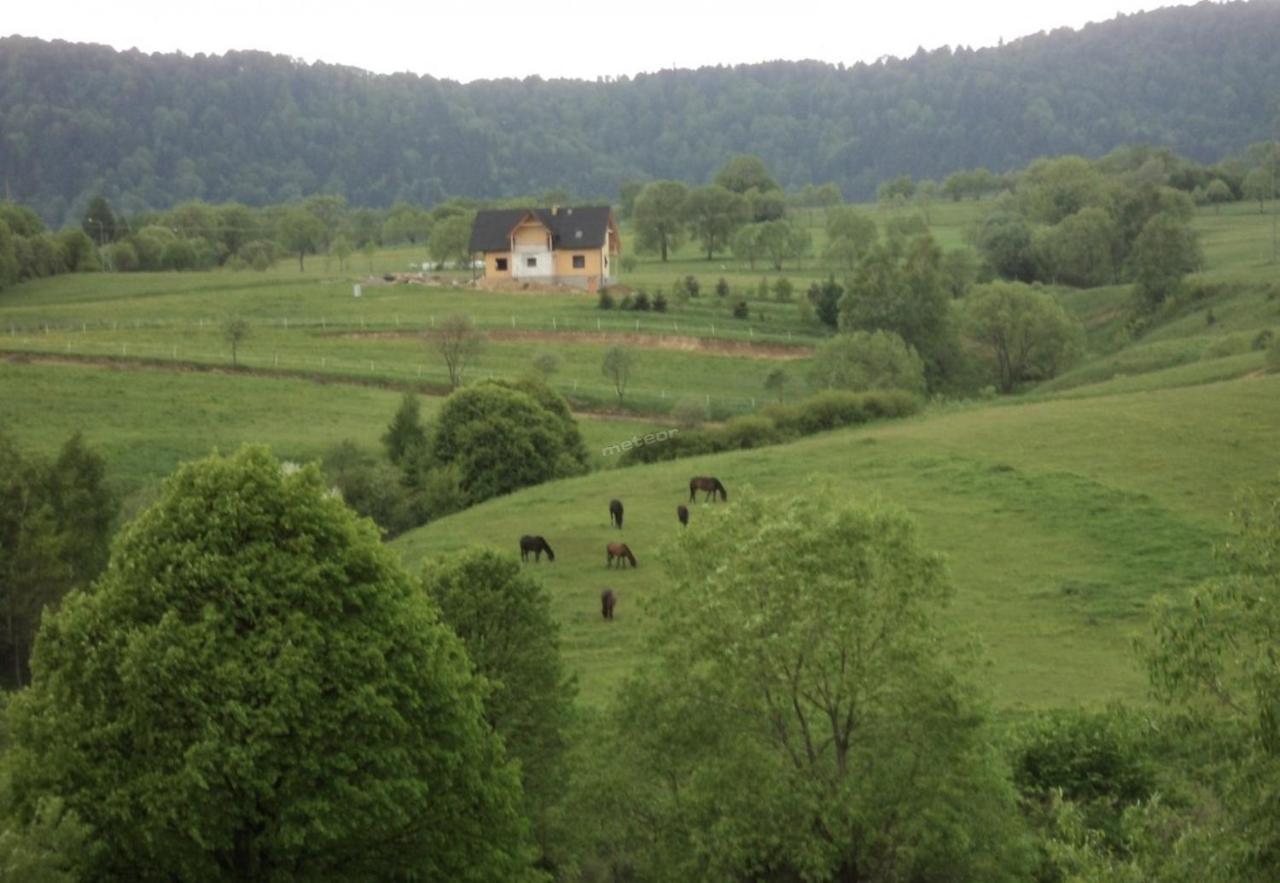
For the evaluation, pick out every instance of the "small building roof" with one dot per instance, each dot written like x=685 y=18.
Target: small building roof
x=583 y=226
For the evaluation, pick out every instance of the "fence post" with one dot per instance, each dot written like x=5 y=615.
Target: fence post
x=513 y=321
x=553 y=324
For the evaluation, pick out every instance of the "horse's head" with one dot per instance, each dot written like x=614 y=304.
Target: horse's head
x=551 y=556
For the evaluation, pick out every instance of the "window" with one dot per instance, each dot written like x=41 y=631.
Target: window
x=531 y=262
x=500 y=263
x=579 y=261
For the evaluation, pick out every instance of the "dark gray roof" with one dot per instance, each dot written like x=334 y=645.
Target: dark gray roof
x=582 y=226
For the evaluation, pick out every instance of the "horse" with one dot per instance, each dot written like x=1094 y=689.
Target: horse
x=615 y=513
x=711 y=485
x=621 y=553
x=682 y=512
x=536 y=545
x=607 y=600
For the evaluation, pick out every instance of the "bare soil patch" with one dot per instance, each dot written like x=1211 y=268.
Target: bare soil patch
x=674 y=342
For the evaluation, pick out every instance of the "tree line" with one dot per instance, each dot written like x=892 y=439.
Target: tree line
x=260 y=129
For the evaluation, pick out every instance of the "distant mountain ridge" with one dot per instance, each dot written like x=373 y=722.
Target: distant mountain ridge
x=152 y=130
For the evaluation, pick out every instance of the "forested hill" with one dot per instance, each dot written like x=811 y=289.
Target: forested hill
x=152 y=130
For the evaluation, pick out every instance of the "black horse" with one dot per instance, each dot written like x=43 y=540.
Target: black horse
x=682 y=512
x=615 y=513
x=711 y=485
x=536 y=545
x=620 y=553
x=607 y=600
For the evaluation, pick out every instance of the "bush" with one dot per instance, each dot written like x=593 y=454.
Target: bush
x=689 y=411
x=691 y=286
x=783 y=290
x=625 y=303
x=1231 y=345
x=867 y=360
x=1262 y=339
x=749 y=431
x=659 y=302
x=606 y=300
x=722 y=287
x=740 y=310
x=641 y=301
x=762 y=290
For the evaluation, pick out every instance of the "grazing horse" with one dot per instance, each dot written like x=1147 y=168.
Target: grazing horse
x=711 y=485
x=621 y=553
x=536 y=545
x=615 y=513
x=607 y=600
x=682 y=512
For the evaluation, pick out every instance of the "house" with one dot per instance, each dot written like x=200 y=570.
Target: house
x=558 y=245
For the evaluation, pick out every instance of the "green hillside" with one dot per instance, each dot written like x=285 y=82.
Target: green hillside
x=1059 y=520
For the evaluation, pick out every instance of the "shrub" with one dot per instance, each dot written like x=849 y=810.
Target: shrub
x=1230 y=345
x=1262 y=339
x=691 y=286
x=641 y=301
x=762 y=290
x=740 y=310
x=659 y=302
x=722 y=287
x=689 y=411
x=783 y=290
x=867 y=360
x=749 y=431
x=606 y=300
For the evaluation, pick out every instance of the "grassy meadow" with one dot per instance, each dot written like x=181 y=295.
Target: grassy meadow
x=1061 y=511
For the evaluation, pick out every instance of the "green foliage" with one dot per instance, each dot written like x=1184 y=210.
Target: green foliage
x=196 y=709
x=659 y=217
x=850 y=235
x=235 y=331
x=605 y=301
x=616 y=365
x=1025 y=336
x=803 y=706
x=866 y=360
x=375 y=488
x=53 y=848
x=55 y=526
x=300 y=232
x=504 y=619
x=744 y=173
x=741 y=310
x=1165 y=251
x=406 y=434
x=501 y=438
x=825 y=297
x=451 y=239
x=713 y=214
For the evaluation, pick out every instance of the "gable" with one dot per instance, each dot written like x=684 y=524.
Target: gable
x=571 y=227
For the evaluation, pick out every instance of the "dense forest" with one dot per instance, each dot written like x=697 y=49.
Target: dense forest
x=149 y=131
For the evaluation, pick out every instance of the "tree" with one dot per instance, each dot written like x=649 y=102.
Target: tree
x=659 y=217
x=1024 y=334
x=235 y=331
x=908 y=295
x=406 y=223
x=1259 y=186
x=825 y=298
x=405 y=435
x=896 y=190
x=504 y=619
x=1165 y=251
x=714 y=213
x=1216 y=193
x=300 y=232
x=247 y=626
x=501 y=439
x=99 y=222
x=748 y=244
x=342 y=249
x=617 y=367
x=459 y=343
x=866 y=360
x=1004 y=241
x=804 y=705
x=1081 y=250
x=783 y=240
x=1053 y=189
x=850 y=235
x=744 y=173
x=55 y=526
x=1213 y=657
x=451 y=239
x=330 y=210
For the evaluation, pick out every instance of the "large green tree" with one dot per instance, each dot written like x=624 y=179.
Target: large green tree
x=1165 y=251
x=300 y=232
x=256 y=689
x=659 y=217
x=714 y=213
x=801 y=715
x=866 y=360
x=1024 y=334
x=504 y=618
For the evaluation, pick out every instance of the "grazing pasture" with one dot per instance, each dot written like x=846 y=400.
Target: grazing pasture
x=1059 y=520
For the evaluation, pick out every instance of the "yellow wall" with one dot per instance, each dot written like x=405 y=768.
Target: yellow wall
x=532 y=233
x=594 y=262
x=491 y=270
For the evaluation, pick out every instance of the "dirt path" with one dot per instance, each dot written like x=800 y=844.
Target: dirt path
x=643 y=340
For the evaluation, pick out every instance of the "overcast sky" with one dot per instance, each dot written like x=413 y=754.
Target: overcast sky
x=504 y=38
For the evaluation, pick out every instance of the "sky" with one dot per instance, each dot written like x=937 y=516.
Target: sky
x=504 y=38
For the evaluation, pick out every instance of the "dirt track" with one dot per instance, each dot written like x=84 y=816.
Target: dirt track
x=674 y=342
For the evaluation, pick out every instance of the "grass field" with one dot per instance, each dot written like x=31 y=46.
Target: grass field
x=1061 y=511
x=1059 y=521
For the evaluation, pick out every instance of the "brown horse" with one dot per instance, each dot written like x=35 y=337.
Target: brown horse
x=682 y=512
x=620 y=552
x=711 y=485
x=607 y=600
x=615 y=513
x=536 y=545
